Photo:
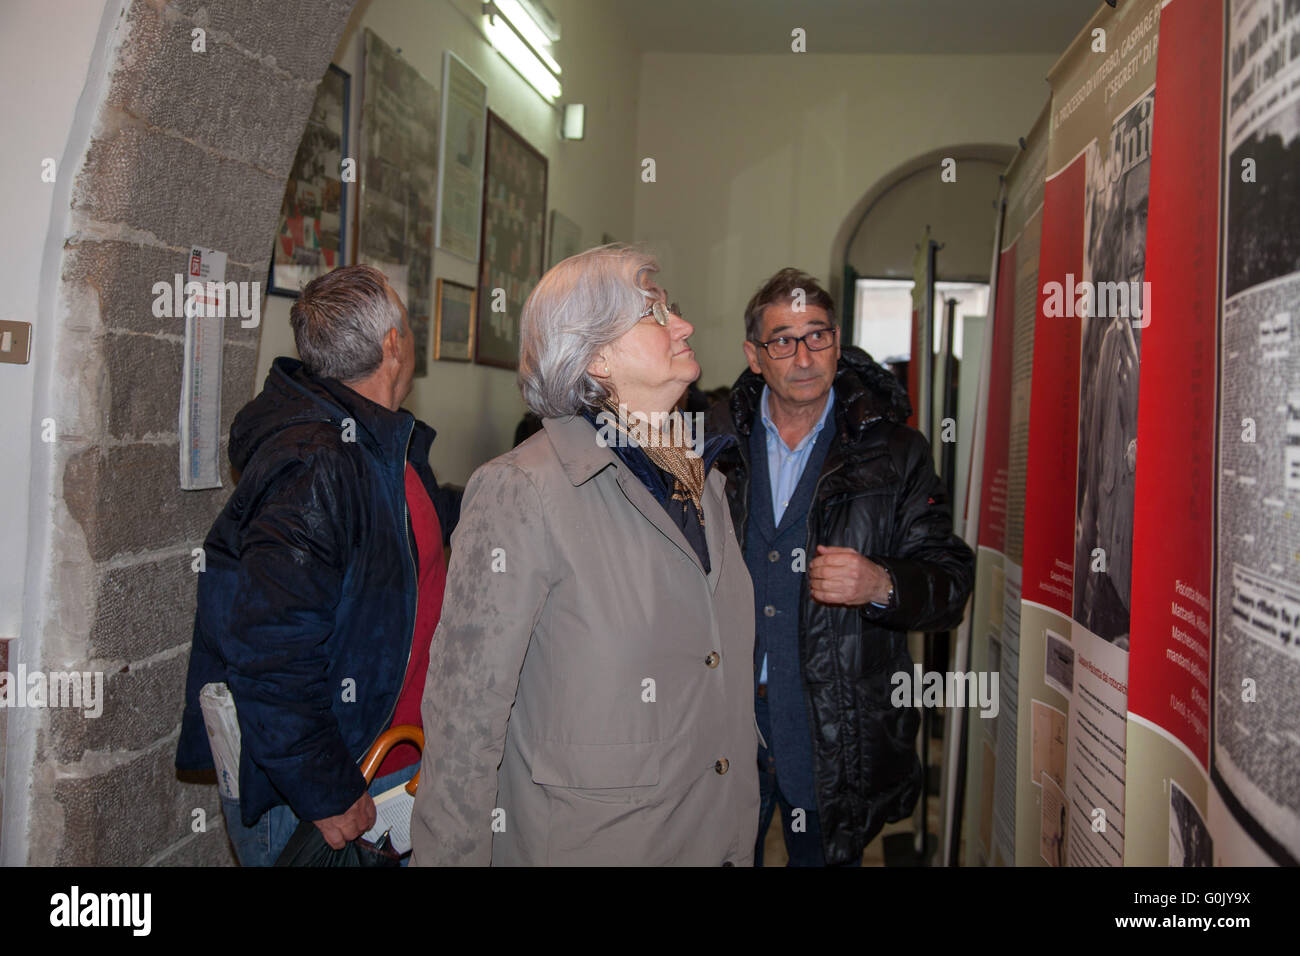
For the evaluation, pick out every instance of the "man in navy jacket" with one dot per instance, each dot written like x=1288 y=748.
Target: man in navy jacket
x=307 y=606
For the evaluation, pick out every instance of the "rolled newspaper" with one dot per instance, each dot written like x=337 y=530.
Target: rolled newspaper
x=219 y=717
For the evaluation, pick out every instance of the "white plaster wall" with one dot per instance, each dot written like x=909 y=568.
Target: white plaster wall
x=45 y=49
x=475 y=408
x=759 y=158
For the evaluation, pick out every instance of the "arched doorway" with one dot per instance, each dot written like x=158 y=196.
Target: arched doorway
x=874 y=257
x=184 y=135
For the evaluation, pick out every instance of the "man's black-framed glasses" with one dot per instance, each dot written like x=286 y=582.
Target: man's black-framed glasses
x=784 y=346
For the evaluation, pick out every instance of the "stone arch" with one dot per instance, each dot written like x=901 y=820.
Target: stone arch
x=1000 y=154
x=170 y=147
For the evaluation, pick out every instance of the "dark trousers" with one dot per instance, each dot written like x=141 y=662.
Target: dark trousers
x=803 y=835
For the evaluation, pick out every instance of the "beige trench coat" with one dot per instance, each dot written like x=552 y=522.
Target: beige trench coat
x=590 y=689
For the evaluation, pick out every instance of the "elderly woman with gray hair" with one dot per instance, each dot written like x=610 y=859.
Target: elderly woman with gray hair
x=590 y=685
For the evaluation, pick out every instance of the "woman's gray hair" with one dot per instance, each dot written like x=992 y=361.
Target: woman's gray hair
x=340 y=320
x=579 y=307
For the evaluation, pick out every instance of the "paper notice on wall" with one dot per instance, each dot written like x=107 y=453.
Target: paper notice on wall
x=1055 y=825
x=1004 y=786
x=1095 y=772
x=200 y=413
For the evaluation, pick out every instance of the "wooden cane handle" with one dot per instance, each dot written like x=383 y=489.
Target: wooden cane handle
x=390 y=738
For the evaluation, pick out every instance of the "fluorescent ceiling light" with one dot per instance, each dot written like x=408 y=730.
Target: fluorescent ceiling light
x=543 y=17
x=522 y=59
x=519 y=54
x=529 y=30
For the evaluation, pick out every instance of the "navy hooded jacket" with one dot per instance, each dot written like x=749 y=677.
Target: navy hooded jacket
x=306 y=609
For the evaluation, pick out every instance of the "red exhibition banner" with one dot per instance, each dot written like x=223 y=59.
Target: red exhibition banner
x=1169 y=684
x=1054 y=401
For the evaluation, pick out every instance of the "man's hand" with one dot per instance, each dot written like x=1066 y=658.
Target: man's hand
x=843 y=576
x=341 y=830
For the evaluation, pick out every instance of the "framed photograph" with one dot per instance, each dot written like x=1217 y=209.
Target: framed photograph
x=511 y=240
x=453 y=335
x=311 y=238
x=460 y=171
x=566 y=238
x=399 y=183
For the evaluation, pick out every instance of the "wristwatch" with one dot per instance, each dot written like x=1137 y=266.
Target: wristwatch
x=889 y=599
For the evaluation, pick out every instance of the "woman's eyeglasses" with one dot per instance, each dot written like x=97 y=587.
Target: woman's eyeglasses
x=660 y=312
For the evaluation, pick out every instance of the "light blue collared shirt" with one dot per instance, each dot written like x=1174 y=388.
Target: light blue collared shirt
x=785 y=465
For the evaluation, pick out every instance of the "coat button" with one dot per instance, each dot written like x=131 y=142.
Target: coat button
x=774 y=556
x=721 y=766
x=713 y=659
x=769 y=611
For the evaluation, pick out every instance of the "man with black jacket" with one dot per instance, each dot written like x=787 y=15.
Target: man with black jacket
x=847 y=533
x=324 y=573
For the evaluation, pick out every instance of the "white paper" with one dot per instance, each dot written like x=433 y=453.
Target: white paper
x=200 y=412
x=222 y=722
x=393 y=813
x=1097 y=736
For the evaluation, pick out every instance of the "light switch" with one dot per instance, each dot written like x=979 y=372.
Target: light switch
x=15 y=342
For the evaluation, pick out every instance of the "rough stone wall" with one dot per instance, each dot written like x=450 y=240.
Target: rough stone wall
x=187 y=148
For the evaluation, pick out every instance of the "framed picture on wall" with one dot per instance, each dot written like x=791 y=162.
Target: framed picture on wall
x=311 y=238
x=399 y=182
x=453 y=334
x=511 y=241
x=566 y=238
x=460 y=173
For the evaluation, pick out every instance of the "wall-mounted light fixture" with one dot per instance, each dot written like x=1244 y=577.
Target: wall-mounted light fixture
x=573 y=122
x=522 y=31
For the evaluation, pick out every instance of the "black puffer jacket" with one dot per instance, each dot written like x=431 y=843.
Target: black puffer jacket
x=877 y=493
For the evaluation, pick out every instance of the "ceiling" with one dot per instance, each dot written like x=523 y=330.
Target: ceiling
x=855 y=26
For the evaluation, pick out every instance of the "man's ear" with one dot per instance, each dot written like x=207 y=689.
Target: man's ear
x=751 y=354
x=393 y=345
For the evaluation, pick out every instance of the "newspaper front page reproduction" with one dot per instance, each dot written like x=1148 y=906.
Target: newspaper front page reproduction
x=1257 y=648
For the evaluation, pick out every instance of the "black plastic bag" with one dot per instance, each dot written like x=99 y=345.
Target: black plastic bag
x=307 y=847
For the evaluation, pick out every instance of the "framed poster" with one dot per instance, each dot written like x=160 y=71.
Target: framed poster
x=510 y=246
x=460 y=172
x=311 y=239
x=399 y=182
x=566 y=238
x=453 y=336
